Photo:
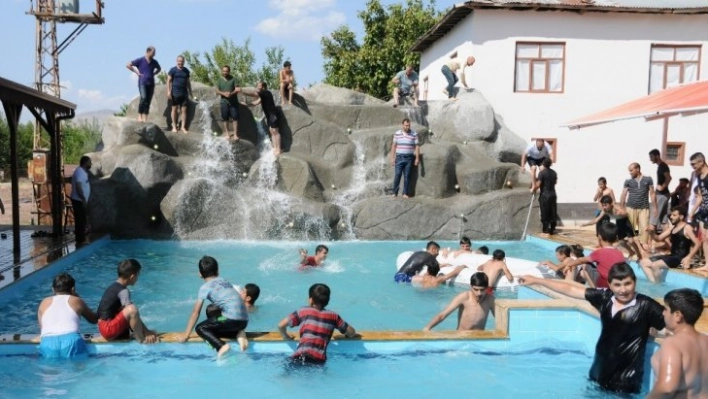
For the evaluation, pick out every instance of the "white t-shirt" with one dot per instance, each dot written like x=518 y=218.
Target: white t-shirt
x=80 y=177
x=533 y=152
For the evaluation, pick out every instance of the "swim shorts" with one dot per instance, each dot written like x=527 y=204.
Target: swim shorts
x=671 y=261
x=62 y=346
x=179 y=101
x=115 y=328
x=402 y=278
x=229 y=111
x=535 y=161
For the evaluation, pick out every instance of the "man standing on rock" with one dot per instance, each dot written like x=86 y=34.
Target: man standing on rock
x=405 y=84
x=405 y=154
x=449 y=70
x=265 y=99
x=147 y=68
x=227 y=89
x=80 y=192
x=179 y=90
x=547 y=179
x=660 y=218
x=638 y=189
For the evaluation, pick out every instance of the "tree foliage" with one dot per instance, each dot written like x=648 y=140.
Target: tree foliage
x=206 y=67
x=79 y=138
x=389 y=34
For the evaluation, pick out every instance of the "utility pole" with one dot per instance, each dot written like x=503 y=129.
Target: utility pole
x=48 y=13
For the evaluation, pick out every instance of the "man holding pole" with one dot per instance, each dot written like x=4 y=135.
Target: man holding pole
x=547 y=200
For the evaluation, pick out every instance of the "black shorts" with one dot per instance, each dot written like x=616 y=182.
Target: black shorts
x=229 y=111
x=624 y=229
x=403 y=92
x=671 y=261
x=535 y=161
x=272 y=121
x=179 y=101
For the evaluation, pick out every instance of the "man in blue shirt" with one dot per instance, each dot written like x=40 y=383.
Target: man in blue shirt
x=179 y=90
x=146 y=68
x=405 y=84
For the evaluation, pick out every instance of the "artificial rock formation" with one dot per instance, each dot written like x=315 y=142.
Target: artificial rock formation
x=333 y=180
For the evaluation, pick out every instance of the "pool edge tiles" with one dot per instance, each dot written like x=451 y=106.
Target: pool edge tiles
x=505 y=327
x=10 y=286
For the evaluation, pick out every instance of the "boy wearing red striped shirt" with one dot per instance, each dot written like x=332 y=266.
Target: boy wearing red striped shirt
x=317 y=327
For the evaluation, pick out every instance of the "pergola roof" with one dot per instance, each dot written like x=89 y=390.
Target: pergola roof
x=16 y=93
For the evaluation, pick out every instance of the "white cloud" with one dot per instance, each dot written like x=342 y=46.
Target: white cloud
x=89 y=100
x=302 y=19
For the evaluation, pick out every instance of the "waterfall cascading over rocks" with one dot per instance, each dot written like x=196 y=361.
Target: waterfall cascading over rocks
x=331 y=182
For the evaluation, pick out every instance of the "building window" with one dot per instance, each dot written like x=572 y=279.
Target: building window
x=675 y=153
x=540 y=67
x=552 y=142
x=673 y=65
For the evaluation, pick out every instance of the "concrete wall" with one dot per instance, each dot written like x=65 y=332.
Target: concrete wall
x=606 y=64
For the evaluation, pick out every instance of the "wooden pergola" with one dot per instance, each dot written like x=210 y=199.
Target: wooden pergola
x=49 y=111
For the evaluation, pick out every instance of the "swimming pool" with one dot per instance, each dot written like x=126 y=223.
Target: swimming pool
x=360 y=275
x=354 y=370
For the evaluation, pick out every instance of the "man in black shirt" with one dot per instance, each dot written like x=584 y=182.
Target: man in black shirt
x=626 y=318
x=265 y=99
x=417 y=261
x=660 y=217
x=546 y=181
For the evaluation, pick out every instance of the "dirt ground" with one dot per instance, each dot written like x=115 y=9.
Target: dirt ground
x=26 y=205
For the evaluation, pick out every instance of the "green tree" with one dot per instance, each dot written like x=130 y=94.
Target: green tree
x=206 y=67
x=25 y=138
x=389 y=34
x=123 y=110
x=80 y=138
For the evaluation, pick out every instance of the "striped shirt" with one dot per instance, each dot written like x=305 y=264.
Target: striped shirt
x=405 y=142
x=316 y=331
x=638 y=192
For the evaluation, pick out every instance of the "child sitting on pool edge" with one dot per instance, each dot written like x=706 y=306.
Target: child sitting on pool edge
x=213 y=314
x=321 y=252
x=222 y=294
x=318 y=325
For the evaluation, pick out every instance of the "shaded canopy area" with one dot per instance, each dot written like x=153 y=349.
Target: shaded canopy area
x=681 y=100
x=49 y=111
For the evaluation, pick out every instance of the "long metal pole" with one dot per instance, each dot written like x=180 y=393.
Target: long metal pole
x=12 y=111
x=528 y=217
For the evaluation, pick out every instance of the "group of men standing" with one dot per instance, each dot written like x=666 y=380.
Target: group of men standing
x=179 y=93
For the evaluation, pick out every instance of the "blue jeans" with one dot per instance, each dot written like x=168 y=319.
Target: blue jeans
x=404 y=167
x=451 y=80
x=146 y=92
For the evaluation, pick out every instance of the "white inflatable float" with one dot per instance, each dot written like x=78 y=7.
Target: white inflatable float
x=517 y=267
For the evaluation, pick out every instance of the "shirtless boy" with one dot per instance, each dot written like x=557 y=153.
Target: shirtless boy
x=473 y=307
x=494 y=268
x=287 y=83
x=432 y=277
x=625 y=231
x=681 y=363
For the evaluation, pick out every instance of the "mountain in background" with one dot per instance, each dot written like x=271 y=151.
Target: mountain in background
x=89 y=117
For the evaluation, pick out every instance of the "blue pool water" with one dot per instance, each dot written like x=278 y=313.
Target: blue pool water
x=405 y=369
x=359 y=273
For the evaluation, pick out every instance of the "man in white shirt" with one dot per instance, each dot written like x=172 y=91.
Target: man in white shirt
x=534 y=155
x=80 y=192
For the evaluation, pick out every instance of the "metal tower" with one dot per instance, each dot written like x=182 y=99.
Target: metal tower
x=47 y=14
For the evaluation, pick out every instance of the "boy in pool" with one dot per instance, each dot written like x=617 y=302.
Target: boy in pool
x=59 y=317
x=117 y=314
x=626 y=318
x=432 y=277
x=473 y=307
x=222 y=294
x=494 y=268
x=250 y=294
x=317 y=327
x=321 y=253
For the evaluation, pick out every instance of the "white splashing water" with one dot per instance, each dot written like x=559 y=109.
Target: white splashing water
x=364 y=174
x=216 y=160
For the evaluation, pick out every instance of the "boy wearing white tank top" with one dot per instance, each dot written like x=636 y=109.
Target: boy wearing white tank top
x=58 y=317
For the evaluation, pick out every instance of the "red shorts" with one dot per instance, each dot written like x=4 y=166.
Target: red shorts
x=490 y=291
x=114 y=328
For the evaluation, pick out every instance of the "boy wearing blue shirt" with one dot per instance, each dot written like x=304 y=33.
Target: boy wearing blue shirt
x=233 y=311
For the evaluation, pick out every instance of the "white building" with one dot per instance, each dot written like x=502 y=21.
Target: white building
x=544 y=63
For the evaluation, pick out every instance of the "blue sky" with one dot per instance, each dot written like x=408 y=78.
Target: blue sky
x=92 y=68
